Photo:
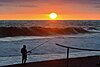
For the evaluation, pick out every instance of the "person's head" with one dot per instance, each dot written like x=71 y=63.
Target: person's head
x=24 y=46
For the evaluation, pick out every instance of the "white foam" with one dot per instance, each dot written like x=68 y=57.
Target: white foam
x=22 y=38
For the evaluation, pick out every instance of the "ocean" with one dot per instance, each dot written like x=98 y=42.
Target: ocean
x=10 y=47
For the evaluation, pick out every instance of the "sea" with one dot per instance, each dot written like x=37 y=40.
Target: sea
x=44 y=48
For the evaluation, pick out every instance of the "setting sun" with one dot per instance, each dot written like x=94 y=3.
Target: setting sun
x=53 y=15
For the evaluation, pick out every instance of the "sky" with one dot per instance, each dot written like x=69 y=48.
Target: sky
x=40 y=9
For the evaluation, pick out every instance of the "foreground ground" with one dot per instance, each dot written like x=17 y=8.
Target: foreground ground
x=73 y=62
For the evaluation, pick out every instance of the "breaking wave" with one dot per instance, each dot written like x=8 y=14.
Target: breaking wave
x=39 y=31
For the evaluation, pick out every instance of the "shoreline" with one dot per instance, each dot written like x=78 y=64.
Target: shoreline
x=89 y=61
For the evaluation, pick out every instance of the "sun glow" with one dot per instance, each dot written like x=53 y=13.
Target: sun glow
x=53 y=16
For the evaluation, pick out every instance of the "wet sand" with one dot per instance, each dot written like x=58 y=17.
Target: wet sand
x=90 y=61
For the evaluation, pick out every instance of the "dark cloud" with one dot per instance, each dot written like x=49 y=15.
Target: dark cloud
x=16 y=0
x=94 y=3
x=97 y=6
x=82 y=1
x=26 y=6
x=1 y=5
x=14 y=3
x=50 y=1
x=6 y=5
x=74 y=1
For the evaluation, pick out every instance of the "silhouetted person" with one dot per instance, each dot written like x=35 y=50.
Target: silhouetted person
x=24 y=54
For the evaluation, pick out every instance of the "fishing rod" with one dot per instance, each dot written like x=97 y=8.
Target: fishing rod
x=39 y=46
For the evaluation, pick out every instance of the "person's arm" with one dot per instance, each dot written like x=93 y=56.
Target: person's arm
x=28 y=51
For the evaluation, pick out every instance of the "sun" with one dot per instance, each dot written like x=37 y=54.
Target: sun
x=53 y=16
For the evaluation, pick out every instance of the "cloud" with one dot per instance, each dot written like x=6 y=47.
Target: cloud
x=7 y=5
x=27 y=6
x=97 y=6
x=92 y=3
x=17 y=3
x=95 y=3
x=1 y=5
x=50 y=1
x=9 y=1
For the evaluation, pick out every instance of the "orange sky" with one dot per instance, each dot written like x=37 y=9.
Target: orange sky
x=40 y=9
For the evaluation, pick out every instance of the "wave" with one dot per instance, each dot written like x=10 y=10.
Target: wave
x=38 y=31
x=23 y=38
x=92 y=29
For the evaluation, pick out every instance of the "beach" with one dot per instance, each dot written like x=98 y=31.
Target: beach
x=90 y=61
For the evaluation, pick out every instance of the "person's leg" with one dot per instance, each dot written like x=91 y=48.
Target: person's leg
x=22 y=60
x=25 y=58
